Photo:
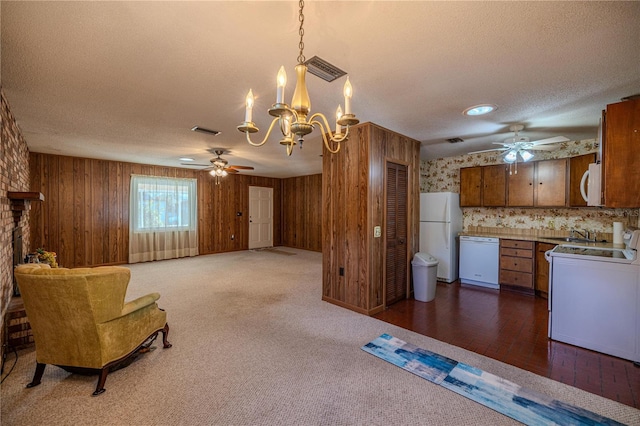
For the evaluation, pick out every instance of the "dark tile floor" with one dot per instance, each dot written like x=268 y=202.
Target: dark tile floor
x=512 y=328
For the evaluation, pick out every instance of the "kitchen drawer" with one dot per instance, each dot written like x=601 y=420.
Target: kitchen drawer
x=517 y=244
x=516 y=252
x=518 y=264
x=520 y=279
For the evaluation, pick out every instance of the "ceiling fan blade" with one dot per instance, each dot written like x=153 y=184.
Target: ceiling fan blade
x=544 y=147
x=489 y=150
x=240 y=167
x=554 y=139
x=228 y=170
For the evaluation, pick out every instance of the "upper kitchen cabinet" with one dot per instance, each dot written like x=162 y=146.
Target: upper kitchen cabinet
x=471 y=186
x=551 y=183
x=521 y=185
x=621 y=154
x=577 y=167
x=494 y=186
x=538 y=184
x=483 y=186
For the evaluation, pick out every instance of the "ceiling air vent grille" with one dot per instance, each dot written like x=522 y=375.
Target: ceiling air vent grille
x=207 y=131
x=323 y=69
x=455 y=140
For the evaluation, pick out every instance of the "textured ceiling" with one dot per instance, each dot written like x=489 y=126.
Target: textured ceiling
x=128 y=80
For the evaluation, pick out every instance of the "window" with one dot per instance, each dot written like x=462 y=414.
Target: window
x=163 y=218
x=163 y=204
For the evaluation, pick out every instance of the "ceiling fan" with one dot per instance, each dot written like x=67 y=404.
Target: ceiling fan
x=521 y=147
x=219 y=166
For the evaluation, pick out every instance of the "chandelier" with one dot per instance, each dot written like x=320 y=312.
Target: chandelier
x=293 y=121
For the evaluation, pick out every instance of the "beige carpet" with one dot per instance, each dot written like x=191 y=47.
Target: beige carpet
x=253 y=344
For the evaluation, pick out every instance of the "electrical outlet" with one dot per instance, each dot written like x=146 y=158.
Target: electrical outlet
x=377 y=232
x=233 y=237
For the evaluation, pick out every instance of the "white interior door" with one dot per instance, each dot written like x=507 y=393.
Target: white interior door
x=260 y=217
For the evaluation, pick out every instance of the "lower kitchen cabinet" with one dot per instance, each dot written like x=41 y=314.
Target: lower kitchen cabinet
x=517 y=264
x=542 y=269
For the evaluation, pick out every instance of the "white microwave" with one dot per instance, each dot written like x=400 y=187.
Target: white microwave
x=592 y=178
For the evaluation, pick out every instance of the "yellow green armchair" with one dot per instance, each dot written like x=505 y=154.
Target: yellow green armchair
x=80 y=320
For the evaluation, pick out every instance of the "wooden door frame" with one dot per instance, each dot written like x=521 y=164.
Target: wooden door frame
x=409 y=222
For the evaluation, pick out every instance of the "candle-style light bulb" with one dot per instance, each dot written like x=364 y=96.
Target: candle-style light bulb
x=348 y=92
x=281 y=81
x=248 y=115
x=338 y=116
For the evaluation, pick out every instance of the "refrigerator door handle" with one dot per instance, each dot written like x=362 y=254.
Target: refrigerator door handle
x=446 y=234
x=446 y=210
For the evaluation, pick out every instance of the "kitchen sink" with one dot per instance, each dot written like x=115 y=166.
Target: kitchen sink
x=575 y=240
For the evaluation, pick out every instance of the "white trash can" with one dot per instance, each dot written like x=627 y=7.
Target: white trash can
x=425 y=276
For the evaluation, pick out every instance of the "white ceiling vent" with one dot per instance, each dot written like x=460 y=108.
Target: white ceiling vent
x=323 y=69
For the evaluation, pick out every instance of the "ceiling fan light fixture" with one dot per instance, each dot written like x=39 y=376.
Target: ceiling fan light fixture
x=511 y=157
x=526 y=155
x=481 y=109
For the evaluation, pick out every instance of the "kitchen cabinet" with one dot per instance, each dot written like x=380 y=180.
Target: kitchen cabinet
x=539 y=184
x=494 y=186
x=577 y=166
x=520 y=185
x=517 y=264
x=483 y=186
x=550 y=183
x=471 y=186
x=542 y=269
x=621 y=143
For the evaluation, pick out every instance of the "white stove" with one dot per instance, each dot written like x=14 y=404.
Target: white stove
x=628 y=254
x=594 y=297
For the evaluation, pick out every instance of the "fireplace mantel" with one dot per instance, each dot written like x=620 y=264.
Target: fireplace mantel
x=20 y=202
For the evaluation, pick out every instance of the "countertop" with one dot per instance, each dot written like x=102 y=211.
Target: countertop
x=539 y=238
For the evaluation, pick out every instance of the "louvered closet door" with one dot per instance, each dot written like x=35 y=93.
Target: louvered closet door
x=396 y=233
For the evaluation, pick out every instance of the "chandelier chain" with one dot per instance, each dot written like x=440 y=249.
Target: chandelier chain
x=301 y=57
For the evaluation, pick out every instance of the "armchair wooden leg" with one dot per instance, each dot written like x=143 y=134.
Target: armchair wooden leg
x=37 y=376
x=103 y=378
x=165 y=332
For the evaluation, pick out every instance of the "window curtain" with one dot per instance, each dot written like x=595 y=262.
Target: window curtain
x=162 y=218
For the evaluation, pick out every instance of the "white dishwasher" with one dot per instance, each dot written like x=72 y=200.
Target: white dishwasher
x=479 y=261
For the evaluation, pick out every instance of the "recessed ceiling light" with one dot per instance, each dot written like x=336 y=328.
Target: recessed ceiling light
x=186 y=159
x=480 y=109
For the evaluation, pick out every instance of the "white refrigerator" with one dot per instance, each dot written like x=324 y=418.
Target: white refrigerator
x=440 y=224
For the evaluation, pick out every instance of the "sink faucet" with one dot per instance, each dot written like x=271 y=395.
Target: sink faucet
x=584 y=234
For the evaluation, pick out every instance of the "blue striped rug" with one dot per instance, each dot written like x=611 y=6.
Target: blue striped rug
x=510 y=399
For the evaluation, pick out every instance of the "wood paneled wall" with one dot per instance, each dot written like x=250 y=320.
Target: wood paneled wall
x=353 y=194
x=85 y=215
x=302 y=212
